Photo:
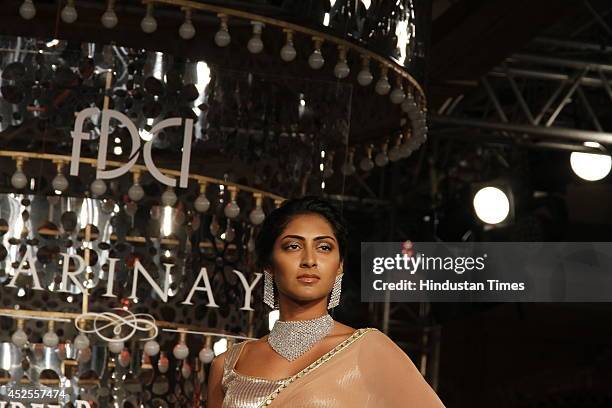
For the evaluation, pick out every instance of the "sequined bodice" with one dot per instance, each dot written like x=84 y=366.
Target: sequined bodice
x=243 y=391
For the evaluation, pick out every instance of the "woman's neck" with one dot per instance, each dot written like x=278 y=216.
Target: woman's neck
x=291 y=310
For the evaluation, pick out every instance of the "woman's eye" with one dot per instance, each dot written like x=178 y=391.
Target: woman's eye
x=326 y=247
x=292 y=246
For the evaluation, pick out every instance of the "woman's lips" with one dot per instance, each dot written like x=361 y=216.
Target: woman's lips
x=308 y=279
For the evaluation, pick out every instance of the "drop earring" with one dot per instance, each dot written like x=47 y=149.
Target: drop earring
x=334 y=299
x=269 y=291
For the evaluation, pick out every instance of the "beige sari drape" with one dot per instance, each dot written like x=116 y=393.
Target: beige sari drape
x=368 y=370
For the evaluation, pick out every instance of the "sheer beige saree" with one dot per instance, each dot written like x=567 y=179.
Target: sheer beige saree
x=366 y=370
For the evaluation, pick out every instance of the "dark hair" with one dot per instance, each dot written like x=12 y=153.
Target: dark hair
x=276 y=222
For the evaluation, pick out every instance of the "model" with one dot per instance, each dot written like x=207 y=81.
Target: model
x=309 y=359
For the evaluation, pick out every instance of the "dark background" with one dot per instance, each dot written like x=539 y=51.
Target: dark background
x=511 y=354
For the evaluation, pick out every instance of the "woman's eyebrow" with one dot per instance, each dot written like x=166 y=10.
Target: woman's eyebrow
x=315 y=239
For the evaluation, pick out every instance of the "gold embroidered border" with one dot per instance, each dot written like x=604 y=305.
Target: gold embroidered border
x=317 y=363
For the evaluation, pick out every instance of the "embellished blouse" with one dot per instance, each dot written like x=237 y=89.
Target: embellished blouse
x=243 y=391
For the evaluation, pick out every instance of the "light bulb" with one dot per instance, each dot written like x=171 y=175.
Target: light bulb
x=50 y=339
x=229 y=233
x=409 y=106
x=163 y=364
x=255 y=44
x=116 y=345
x=19 y=338
x=27 y=10
x=136 y=192
x=231 y=210
x=187 y=31
x=381 y=159
x=151 y=348
x=341 y=70
x=186 y=370
x=109 y=18
x=60 y=182
x=316 y=60
x=366 y=164
x=81 y=342
x=365 y=77
x=19 y=179
x=98 y=187
x=201 y=203
x=383 y=86
x=397 y=96
x=222 y=38
x=69 y=13
x=180 y=351
x=169 y=198
x=288 y=53
x=206 y=355
x=257 y=216
x=84 y=355
x=148 y=24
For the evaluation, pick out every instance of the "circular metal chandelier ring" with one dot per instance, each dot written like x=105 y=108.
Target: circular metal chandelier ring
x=140 y=168
x=186 y=4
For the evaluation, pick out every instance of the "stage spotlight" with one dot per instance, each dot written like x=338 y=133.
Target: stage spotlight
x=591 y=166
x=492 y=205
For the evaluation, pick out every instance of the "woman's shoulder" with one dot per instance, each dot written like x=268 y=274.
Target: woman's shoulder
x=341 y=329
x=374 y=341
x=226 y=357
x=374 y=335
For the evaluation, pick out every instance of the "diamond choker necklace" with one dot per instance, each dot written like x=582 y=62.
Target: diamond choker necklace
x=293 y=338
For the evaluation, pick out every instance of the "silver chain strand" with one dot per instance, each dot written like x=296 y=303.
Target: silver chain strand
x=293 y=338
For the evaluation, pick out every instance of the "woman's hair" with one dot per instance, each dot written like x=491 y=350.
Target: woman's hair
x=276 y=222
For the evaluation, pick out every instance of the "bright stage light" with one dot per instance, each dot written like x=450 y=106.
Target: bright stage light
x=492 y=205
x=590 y=166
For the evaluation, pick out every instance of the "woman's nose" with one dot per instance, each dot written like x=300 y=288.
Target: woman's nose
x=309 y=258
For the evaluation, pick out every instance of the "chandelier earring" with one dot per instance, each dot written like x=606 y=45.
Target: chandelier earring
x=269 y=298
x=334 y=299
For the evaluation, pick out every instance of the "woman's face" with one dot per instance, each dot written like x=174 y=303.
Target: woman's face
x=306 y=258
